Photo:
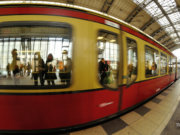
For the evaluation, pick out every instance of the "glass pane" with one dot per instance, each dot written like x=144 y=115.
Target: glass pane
x=173 y=65
x=163 y=64
x=132 y=60
x=1 y=54
x=108 y=57
x=170 y=64
x=153 y=9
x=40 y=56
x=151 y=61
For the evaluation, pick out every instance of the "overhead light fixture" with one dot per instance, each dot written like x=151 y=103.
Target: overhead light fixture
x=100 y=37
x=112 y=40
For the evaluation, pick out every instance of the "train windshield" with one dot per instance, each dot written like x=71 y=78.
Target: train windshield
x=36 y=56
x=108 y=56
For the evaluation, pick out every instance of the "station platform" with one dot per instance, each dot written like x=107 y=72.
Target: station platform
x=159 y=116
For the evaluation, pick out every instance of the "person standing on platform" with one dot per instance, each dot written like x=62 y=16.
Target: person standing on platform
x=50 y=74
x=8 y=69
x=15 y=65
x=102 y=70
x=65 y=67
x=38 y=68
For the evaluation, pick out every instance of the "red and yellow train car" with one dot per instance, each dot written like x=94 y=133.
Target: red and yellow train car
x=64 y=68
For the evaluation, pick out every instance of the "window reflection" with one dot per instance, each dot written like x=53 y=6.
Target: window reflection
x=108 y=58
x=170 y=64
x=173 y=65
x=151 y=61
x=35 y=56
x=132 y=60
x=163 y=69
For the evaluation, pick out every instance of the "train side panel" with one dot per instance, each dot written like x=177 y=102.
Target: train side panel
x=35 y=112
x=85 y=100
x=55 y=111
x=143 y=87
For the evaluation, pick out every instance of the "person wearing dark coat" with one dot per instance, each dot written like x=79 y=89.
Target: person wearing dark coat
x=15 y=62
x=50 y=75
x=106 y=66
x=38 y=68
x=102 y=70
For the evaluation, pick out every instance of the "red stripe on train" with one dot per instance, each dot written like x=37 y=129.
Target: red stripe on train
x=50 y=11
x=71 y=13
x=137 y=34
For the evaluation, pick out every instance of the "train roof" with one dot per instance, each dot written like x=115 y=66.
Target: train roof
x=90 y=11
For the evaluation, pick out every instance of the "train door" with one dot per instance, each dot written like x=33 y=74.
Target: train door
x=170 y=69
x=108 y=58
x=108 y=70
x=174 y=69
x=130 y=89
x=177 y=69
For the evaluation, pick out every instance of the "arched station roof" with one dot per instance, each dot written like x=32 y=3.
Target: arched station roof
x=157 y=18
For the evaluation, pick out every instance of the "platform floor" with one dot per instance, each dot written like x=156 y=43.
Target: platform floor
x=155 y=117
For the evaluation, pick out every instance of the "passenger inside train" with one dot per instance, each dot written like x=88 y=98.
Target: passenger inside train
x=65 y=67
x=108 y=59
x=50 y=70
x=151 y=62
x=132 y=61
x=38 y=70
x=38 y=59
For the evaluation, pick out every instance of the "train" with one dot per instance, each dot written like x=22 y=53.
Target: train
x=63 y=68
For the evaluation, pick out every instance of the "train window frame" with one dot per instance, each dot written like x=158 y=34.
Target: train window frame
x=170 y=65
x=99 y=49
x=173 y=64
x=42 y=24
x=155 y=62
x=133 y=74
x=164 y=55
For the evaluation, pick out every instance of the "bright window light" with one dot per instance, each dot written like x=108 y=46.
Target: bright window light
x=175 y=16
x=167 y=4
x=163 y=21
x=177 y=53
x=153 y=9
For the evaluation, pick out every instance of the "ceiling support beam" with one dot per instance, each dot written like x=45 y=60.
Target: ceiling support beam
x=146 y=25
x=174 y=48
x=106 y=6
x=136 y=11
x=70 y=1
x=162 y=37
x=133 y=14
x=178 y=4
x=156 y=32
x=165 y=42
x=171 y=11
x=162 y=10
x=170 y=44
x=169 y=25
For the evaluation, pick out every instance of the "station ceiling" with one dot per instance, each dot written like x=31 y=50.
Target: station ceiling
x=158 y=18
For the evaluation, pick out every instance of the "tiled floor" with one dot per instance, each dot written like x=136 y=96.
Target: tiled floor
x=149 y=119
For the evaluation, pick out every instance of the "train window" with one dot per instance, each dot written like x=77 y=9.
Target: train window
x=170 y=64
x=36 y=56
x=108 y=56
x=173 y=65
x=132 y=60
x=151 y=61
x=163 y=65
